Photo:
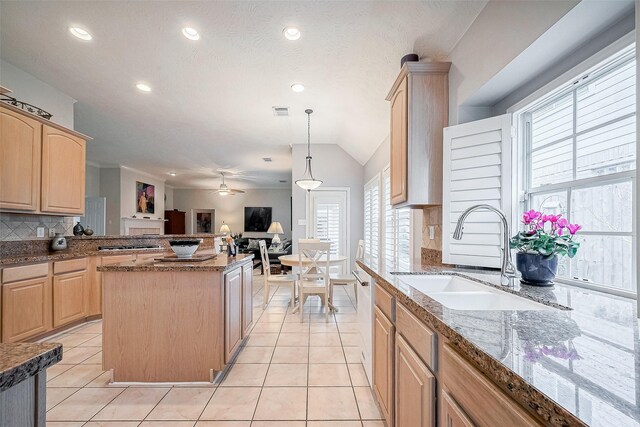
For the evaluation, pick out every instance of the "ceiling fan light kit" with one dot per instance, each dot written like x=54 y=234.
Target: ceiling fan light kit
x=308 y=182
x=224 y=189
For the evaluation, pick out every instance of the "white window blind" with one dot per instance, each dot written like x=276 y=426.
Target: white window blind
x=372 y=222
x=396 y=232
x=580 y=144
x=476 y=170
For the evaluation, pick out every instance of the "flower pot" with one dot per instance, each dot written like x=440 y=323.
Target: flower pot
x=536 y=269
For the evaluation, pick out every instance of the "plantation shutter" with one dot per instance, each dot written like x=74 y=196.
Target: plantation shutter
x=476 y=170
x=328 y=224
x=372 y=221
x=397 y=232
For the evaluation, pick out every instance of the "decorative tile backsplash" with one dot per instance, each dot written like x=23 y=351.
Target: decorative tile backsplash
x=432 y=216
x=23 y=227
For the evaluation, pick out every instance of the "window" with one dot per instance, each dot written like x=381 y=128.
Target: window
x=396 y=232
x=372 y=221
x=579 y=146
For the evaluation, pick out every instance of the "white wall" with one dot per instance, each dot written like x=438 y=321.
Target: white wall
x=335 y=168
x=498 y=35
x=168 y=203
x=92 y=181
x=110 y=188
x=230 y=209
x=378 y=161
x=29 y=89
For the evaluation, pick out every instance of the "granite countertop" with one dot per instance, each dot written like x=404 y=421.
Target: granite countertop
x=577 y=366
x=34 y=251
x=23 y=360
x=219 y=263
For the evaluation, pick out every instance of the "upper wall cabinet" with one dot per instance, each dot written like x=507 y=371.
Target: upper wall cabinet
x=42 y=165
x=419 y=102
x=20 y=140
x=63 y=167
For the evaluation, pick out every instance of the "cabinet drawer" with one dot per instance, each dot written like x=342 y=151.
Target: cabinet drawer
x=384 y=301
x=475 y=393
x=60 y=267
x=420 y=337
x=24 y=272
x=117 y=259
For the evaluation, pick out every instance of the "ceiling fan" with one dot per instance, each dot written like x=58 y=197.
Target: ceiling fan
x=224 y=190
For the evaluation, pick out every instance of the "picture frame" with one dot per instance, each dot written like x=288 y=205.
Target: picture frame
x=203 y=221
x=145 y=198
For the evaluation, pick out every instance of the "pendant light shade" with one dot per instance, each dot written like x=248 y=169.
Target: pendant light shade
x=308 y=182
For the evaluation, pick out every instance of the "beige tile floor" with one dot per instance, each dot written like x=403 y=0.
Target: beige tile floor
x=288 y=374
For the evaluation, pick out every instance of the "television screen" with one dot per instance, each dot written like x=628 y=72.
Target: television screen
x=257 y=219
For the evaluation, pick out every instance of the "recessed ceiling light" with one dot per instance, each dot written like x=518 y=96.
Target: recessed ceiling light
x=297 y=87
x=143 y=87
x=191 y=33
x=172 y=173
x=80 y=33
x=291 y=33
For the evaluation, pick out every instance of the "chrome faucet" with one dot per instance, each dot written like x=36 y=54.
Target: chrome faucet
x=507 y=270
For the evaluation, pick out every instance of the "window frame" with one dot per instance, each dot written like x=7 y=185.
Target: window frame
x=606 y=61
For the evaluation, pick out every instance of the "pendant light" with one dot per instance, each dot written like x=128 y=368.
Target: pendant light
x=308 y=182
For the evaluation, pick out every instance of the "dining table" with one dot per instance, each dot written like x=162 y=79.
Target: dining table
x=293 y=260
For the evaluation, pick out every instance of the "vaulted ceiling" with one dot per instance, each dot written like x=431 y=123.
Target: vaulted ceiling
x=211 y=102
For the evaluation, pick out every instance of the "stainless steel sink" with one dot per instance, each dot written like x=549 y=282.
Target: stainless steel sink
x=459 y=293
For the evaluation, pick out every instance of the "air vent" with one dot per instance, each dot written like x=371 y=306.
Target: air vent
x=282 y=181
x=267 y=159
x=280 y=111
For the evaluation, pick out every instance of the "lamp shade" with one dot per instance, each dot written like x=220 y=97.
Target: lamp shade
x=225 y=228
x=275 y=228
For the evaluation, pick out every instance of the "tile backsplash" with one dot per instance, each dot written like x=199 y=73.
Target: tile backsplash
x=23 y=227
x=432 y=216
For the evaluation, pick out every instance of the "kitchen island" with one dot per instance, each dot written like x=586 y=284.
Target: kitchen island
x=175 y=321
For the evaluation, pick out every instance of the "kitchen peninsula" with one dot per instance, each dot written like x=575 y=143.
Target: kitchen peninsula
x=175 y=321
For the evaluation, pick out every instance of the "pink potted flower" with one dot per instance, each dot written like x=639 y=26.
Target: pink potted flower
x=544 y=239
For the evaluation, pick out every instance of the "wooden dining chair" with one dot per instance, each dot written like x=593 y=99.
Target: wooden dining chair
x=276 y=279
x=313 y=261
x=347 y=278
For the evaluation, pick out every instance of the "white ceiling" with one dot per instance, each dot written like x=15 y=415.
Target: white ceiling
x=210 y=107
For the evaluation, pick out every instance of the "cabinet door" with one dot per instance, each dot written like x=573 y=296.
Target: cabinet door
x=232 y=312
x=399 y=146
x=415 y=388
x=247 y=299
x=69 y=297
x=383 y=337
x=26 y=309
x=451 y=415
x=20 y=150
x=63 y=172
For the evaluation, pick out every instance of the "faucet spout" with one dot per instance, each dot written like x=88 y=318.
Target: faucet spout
x=507 y=270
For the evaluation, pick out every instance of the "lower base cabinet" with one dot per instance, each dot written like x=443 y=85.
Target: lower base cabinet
x=383 y=367
x=232 y=312
x=69 y=295
x=415 y=389
x=451 y=415
x=247 y=299
x=26 y=309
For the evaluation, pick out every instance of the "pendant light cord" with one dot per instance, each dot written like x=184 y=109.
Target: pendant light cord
x=308 y=132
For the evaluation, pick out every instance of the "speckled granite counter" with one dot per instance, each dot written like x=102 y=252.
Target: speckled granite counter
x=571 y=367
x=33 y=251
x=219 y=263
x=19 y=362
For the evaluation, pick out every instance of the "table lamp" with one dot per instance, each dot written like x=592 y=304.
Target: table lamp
x=225 y=228
x=275 y=228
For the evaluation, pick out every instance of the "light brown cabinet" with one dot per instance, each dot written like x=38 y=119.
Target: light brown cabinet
x=232 y=312
x=451 y=415
x=63 y=172
x=247 y=299
x=415 y=388
x=419 y=113
x=20 y=142
x=383 y=366
x=42 y=165
x=26 y=309
x=69 y=294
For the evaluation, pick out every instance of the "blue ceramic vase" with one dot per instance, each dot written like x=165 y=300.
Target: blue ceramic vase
x=537 y=270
